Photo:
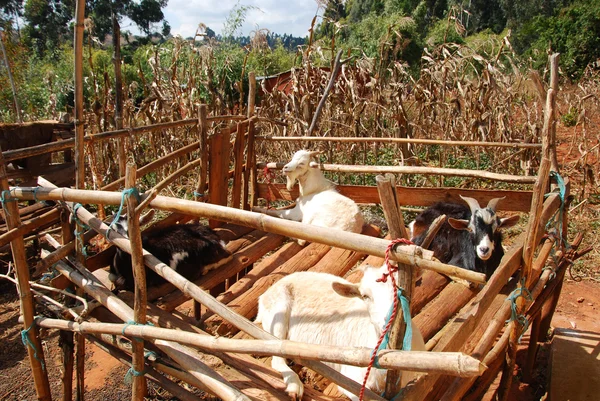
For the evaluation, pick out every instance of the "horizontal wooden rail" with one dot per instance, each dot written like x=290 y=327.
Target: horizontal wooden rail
x=516 y=201
x=451 y=363
x=355 y=139
x=455 y=172
x=336 y=238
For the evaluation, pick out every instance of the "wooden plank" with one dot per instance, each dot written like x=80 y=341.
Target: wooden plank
x=516 y=201
x=219 y=150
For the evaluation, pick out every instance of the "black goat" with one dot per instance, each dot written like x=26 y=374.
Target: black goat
x=190 y=249
x=470 y=238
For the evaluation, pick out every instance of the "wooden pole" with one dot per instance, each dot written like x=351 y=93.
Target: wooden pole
x=67 y=337
x=118 y=92
x=453 y=363
x=238 y=153
x=334 y=72
x=30 y=333
x=361 y=139
x=533 y=228
x=203 y=144
x=79 y=132
x=386 y=186
x=341 y=168
x=356 y=242
x=139 y=388
x=250 y=184
x=251 y=93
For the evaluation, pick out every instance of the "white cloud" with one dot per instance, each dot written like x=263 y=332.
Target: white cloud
x=289 y=16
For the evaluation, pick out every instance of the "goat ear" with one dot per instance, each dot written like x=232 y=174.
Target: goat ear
x=346 y=290
x=147 y=218
x=315 y=153
x=459 y=224
x=472 y=202
x=509 y=221
x=493 y=203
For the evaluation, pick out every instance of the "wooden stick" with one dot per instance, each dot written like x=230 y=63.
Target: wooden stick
x=341 y=168
x=78 y=78
x=540 y=188
x=251 y=93
x=30 y=225
x=154 y=165
x=386 y=187
x=238 y=153
x=34 y=345
x=356 y=242
x=355 y=139
x=202 y=140
x=337 y=64
x=452 y=363
x=151 y=194
x=139 y=386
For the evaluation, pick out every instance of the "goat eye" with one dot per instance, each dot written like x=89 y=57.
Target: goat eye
x=366 y=297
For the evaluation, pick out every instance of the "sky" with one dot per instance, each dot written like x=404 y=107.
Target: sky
x=278 y=16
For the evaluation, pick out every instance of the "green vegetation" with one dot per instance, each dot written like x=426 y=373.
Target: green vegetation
x=386 y=32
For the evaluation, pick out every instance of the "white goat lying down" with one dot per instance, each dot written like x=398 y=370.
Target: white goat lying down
x=321 y=308
x=319 y=202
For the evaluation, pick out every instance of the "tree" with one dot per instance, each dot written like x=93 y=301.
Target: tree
x=144 y=14
x=10 y=9
x=47 y=23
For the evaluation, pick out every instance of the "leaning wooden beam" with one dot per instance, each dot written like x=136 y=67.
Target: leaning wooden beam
x=155 y=165
x=181 y=354
x=341 y=239
x=30 y=332
x=153 y=193
x=355 y=139
x=520 y=201
x=455 y=172
x=30 y=225
x=452 y=363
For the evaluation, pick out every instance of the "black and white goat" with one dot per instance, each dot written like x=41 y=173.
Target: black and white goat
x=190 y=249
x=470 y=238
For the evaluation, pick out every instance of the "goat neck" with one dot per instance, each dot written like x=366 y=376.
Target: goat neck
x=313 y=181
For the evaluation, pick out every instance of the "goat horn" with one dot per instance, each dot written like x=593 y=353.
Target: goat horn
x=315 y=153
x=472 y=202
x=493 y=203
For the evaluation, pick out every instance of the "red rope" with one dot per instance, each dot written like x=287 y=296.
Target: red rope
x=391 y=270
x=268 y=174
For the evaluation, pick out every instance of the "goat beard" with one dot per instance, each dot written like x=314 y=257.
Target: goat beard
x=290 y=182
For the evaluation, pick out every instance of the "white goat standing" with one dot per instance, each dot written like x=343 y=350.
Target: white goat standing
x=319 y=202
x=321 y=308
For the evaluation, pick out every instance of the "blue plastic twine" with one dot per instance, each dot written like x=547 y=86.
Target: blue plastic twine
x=124 y=194
x=520 y=291
x=28 y=343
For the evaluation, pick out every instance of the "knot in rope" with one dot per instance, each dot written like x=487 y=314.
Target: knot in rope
x=28 y=343
x=521 y=319
x=80 y=227
x=124 y=194
x=131 y=373
x=383 y=341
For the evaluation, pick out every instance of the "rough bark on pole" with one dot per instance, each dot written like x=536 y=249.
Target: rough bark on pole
x=251 y=93
x=118 y=93
x=219 y=149
x=238 y=153
x=334 y=72
x=79 y=133
x=34 y=345
x=66 y=338
x=389 y=201
x=203 y=145
x=250 y=183
x=139 y=388
x=540 y=188
x=365 y=244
